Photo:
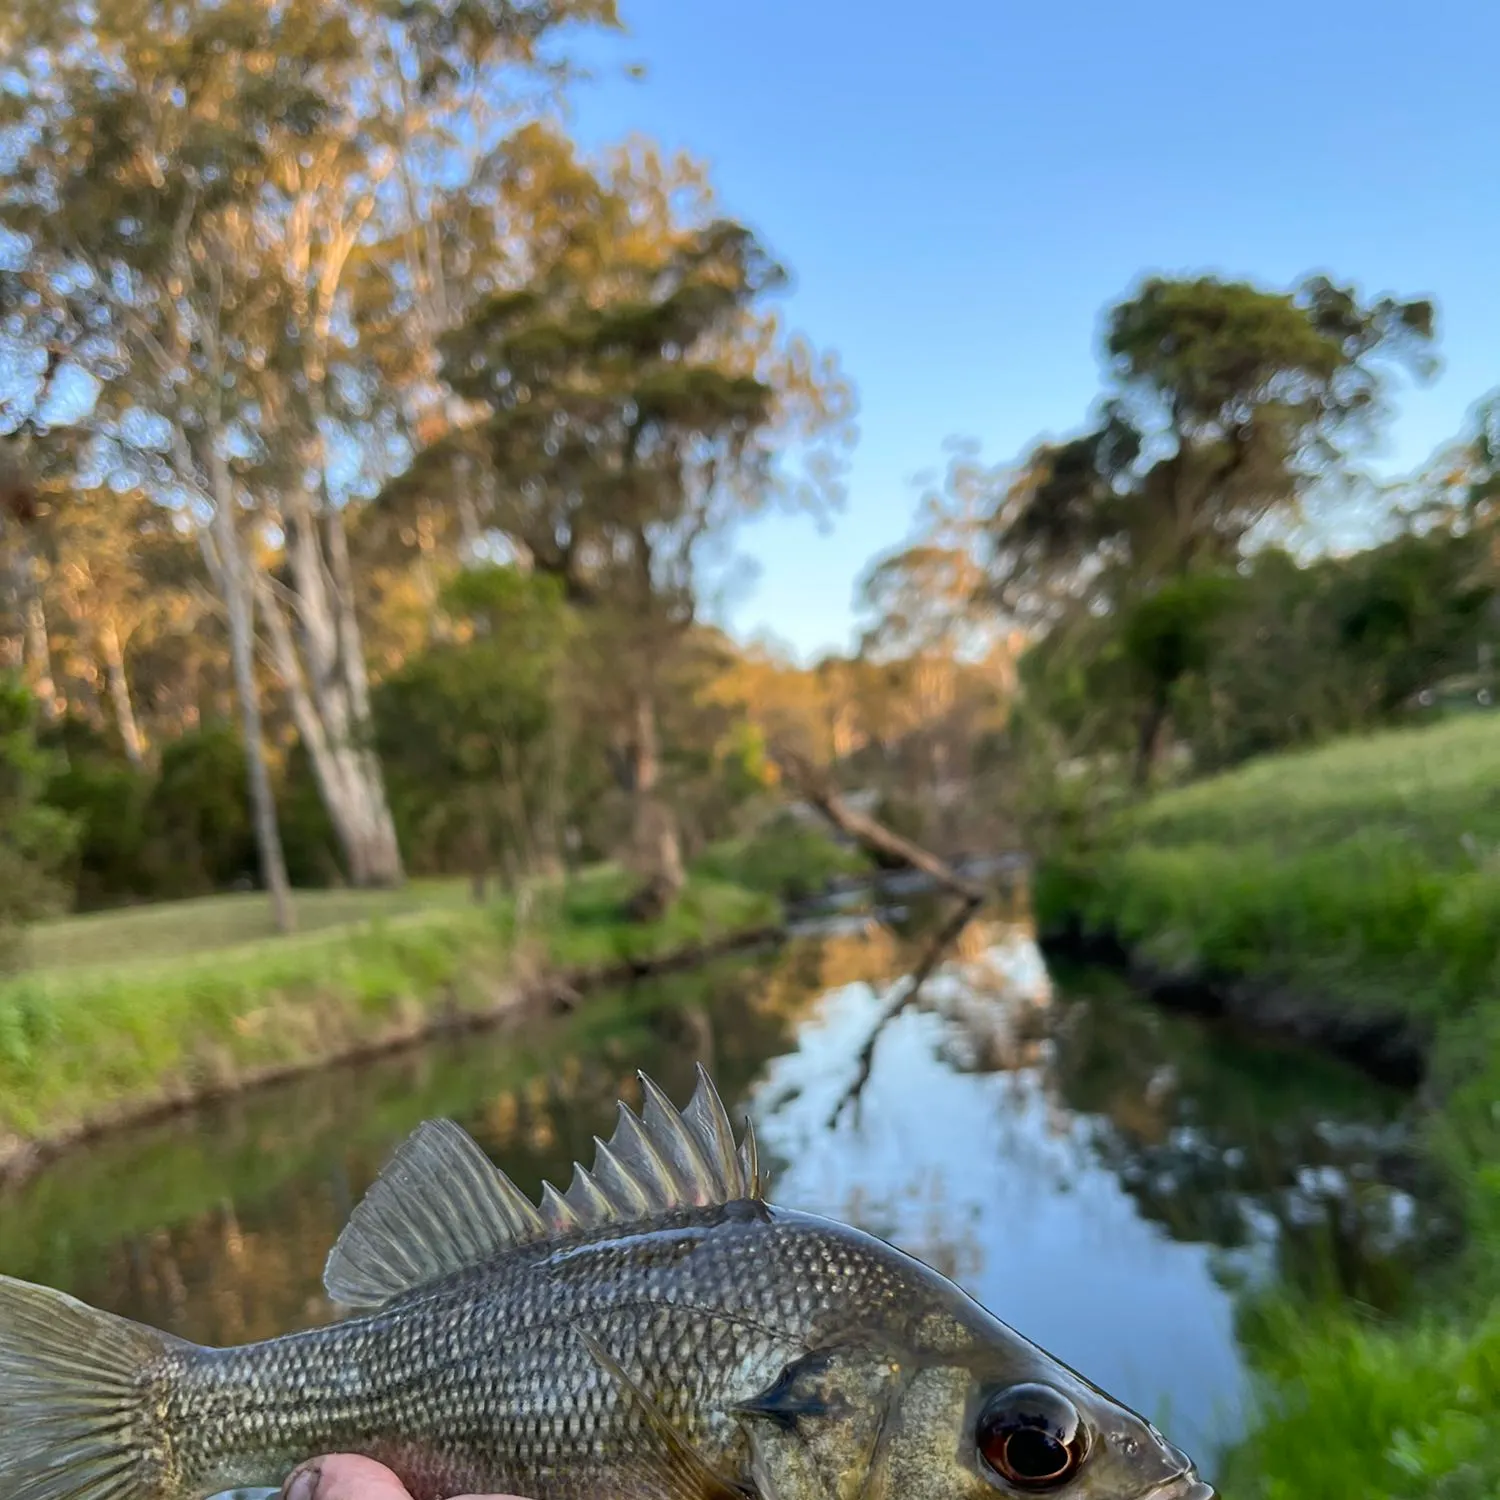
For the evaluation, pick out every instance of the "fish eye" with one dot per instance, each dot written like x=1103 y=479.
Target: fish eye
x=1031 y=1436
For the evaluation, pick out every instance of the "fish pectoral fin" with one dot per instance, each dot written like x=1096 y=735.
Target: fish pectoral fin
x=795 y=1396
x=670 y=1468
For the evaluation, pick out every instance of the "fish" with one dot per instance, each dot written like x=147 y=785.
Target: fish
x=659 y=1331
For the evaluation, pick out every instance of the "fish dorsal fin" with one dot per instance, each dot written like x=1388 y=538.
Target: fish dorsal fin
x=441 y=1206
x=661 y=1161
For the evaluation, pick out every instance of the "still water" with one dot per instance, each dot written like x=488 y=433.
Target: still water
x=1110 y=1180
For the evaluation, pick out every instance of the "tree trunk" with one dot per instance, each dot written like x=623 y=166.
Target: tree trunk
x=323 y=669
x=119 y=692
x=38 y=645
x=239 y=603
x=1152 y=739
x=345 y=769
x=656 y=854
x=872 y=836
x=470 y=533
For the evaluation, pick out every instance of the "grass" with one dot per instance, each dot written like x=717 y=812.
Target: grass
x=84 y=1041
x=1365 y=872
x=175 y=928
x=1362 y=874
x=1355 y=1409
x=1431 y=787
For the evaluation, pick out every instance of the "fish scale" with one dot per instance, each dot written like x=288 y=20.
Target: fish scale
x=659 y=1332
x=489 y=1374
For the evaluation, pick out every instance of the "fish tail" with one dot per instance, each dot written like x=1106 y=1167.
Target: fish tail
x=80 y=1398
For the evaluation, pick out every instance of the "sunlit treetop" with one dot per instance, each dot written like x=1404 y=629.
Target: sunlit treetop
x=1226 y=404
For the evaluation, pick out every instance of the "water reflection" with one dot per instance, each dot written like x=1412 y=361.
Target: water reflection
x=990 y=1177
x=1103 y=1176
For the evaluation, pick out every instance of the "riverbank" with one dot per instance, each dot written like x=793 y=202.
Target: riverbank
x=1349 y=895
x=88 y=1047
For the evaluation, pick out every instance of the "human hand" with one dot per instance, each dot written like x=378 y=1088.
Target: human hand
x=342 y=1476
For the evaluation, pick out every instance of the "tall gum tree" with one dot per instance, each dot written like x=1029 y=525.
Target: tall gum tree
x=631 y=398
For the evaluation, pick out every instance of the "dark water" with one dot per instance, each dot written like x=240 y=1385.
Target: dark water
x=1110 y=1180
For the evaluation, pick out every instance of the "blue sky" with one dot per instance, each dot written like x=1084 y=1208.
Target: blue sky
x=960 y=190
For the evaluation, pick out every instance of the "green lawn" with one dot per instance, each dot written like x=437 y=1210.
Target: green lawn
x=1436 y=788
x=173 y=929
x=1363 y=873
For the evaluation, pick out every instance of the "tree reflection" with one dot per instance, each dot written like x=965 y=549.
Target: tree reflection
x=216 y=1225
x=1250 y=1146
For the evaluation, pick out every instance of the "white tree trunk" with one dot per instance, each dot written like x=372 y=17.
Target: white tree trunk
x=38 y=645
x=656 y=853
x=239 y=605
x=326 y=700
x=119 y=691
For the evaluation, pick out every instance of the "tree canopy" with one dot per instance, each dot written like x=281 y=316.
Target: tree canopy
x=1225 y=403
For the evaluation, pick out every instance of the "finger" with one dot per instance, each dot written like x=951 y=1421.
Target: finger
x=344 y=1476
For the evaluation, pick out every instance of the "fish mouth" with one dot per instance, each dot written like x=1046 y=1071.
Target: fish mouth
x=1183 y=1486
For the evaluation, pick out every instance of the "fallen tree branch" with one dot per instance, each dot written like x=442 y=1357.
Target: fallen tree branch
x=873 y=836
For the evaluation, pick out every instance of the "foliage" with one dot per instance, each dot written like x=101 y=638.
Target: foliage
x=1273 y=654
x=1164 y=636
x=1167 y=633
x=197 y=819
x=634 y=399
x=176 y=829
x=1226 y=401
x=309 y=840
x=1351 y=1407
x=242 y=229
x=34 y=836
x=1226 y=404
x=474 y=734
x=108 y=799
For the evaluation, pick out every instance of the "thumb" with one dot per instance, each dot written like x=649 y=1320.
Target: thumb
x=344 y=1476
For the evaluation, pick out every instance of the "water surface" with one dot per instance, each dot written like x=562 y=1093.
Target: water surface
x=1108 y=1179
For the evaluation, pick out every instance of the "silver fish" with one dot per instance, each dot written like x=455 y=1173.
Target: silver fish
x=658 y=1332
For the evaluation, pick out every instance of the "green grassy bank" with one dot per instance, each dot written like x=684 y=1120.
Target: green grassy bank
x=123 y=1014
x=1363 y=877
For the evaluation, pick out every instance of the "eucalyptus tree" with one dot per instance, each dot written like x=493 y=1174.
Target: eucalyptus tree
x=631 y=398
x=1225 y=403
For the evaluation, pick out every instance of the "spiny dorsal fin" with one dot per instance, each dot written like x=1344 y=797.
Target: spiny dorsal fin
x=441 y=1205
